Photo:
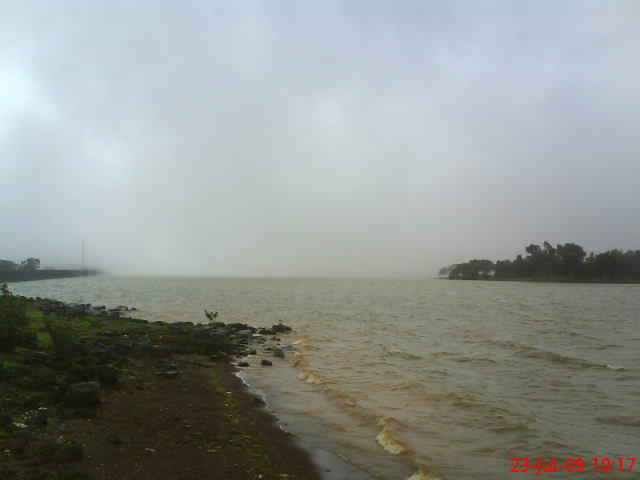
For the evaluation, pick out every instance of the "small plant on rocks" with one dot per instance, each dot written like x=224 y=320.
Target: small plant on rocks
x=61 y=338
x=14 y=323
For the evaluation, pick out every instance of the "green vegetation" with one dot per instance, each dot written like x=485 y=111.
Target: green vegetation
x=568 y=262
x=31 y=264
x=14 y=323
x=61 y=338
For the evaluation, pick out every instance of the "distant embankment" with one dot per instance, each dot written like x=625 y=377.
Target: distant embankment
x=28 y=276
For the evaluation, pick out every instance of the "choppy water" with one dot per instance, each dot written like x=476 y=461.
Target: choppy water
x=418 y=378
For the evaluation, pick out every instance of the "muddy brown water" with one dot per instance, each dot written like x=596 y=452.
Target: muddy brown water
x=425 y=379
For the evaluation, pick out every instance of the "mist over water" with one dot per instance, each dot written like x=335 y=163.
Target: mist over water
x=315 y=139
x=452 y=378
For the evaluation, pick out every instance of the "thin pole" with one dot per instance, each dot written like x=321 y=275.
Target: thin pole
x=82 y=255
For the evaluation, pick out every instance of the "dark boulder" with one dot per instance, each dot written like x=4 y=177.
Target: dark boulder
x=6 y=423
x=84 y=394
x=281 y=328
x=266 y=363
x=38 y=419
x=108 y=374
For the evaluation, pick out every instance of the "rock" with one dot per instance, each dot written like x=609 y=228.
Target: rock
x=38 y=419
x=49 y=475
x=266 y=363
x=168 y=374
x=41 y=451
x=278 y=352
x=252 y=352
x=219 y=356
x=85 y=413
x=243 y=364
x=161 y=351
x=18 y=441
x=6 y=423
x=84 y=394
x=115 y=439
x=67 y=471
x=108 y=374
x=281 y=328
x=121 y=347
x=70 y=451
x=144 y=340
x=167 y=365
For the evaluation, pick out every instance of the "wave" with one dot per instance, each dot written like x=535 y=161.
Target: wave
x=402 y=354
x=558 y=358
x=309 y=377
x=570 y=361
x=616 y=368
x=623 y=420
x=388 y=439
x=423 y=473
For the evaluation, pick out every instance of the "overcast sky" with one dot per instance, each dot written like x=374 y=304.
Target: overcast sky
x=300 y=138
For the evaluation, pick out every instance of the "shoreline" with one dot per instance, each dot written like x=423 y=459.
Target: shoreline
x=161 y=364
x=594 y=281
x=331 y=466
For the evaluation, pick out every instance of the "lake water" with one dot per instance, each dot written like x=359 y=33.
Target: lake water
x=427 y=379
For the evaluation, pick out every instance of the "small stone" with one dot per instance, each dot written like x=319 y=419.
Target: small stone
x=278 y=352
x=266 y=363
x=85 y=412
x=71 y=451
x=115 y=439
x=161 y=351
x=6 y=422
x=108 y=374
x=243 y=364
x=38 y=420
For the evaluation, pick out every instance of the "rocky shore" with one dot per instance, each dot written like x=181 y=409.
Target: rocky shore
x=94 y=394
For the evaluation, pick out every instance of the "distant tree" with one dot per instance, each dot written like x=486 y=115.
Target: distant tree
x=444 y=271
x=473 y=270
x=632 y=263
x=30 y=264
x=588 y=267
x=565 y=261
x=610 y=264
x=7 y=266
x=504 y=269
x=571 y=257
x=540 y=261
x=533 y=250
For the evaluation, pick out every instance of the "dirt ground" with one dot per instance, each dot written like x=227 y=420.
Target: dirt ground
x=201 y=425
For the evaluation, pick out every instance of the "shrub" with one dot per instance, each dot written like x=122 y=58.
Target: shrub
x=61 y=338
x=14 y=323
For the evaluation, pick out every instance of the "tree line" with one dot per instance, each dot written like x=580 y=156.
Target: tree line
x=31 y=264
x=564 y=262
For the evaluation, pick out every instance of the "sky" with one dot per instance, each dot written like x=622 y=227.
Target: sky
x=315 y=139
